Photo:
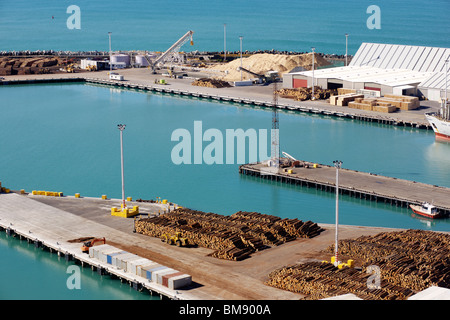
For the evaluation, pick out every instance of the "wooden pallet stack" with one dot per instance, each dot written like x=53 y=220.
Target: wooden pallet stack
x=233 y=237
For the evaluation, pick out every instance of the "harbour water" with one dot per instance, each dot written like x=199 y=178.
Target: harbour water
x=64 y=137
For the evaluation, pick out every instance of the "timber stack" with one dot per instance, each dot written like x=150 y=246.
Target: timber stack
x=211 y=83
x=319 y=280
x=416 y=259
x=409 y=261
x=233 y=237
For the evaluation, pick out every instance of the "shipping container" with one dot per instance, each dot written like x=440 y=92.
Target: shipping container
x=116 y=260
x=142 y=270
x=166 y=277
x=109 y=257
x=132 y=265
x=103 y=254
x=149 y=272
x=93 y=251
x=124 y=261
x=179 y=281
x=157 y=275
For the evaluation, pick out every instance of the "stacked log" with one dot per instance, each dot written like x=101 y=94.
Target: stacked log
x=233 y=237
x=318 y=280
x=409 y=261
x=211 y=83
x=302 y=94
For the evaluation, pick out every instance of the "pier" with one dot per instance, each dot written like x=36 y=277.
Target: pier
x=257 y=96
x=362 y=185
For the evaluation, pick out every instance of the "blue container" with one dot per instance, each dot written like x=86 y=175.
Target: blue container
x=109 y=256
x=149 y=272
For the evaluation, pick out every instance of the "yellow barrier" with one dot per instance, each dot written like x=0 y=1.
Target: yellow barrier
x=22 y=191
x=77 y=195
x=124 y=213
x=44 y=193
x=104 y=197
x=129 y=199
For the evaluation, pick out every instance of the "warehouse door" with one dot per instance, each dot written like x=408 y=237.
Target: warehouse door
x=333 y=84
x=299 y=83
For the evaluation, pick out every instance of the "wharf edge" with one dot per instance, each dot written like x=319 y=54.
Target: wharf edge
x=242 y=100
x=318 y=182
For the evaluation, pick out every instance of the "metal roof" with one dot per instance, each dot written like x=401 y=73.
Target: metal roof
x=393 y=56
x=435 y=81
x=389 y=77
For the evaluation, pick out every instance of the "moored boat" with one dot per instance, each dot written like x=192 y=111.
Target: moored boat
x=426 y=210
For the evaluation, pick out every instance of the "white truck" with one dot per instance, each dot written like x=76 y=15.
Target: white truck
x=115 y=76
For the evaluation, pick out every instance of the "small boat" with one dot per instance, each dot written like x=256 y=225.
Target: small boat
x=426 y=210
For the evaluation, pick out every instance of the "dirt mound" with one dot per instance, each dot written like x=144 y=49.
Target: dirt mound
x=263 y=62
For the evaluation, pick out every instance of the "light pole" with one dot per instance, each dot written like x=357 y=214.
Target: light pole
x=346 y=49
x=446 y=109
x=312 y=95
x=240 y=39
x=110 y=64
x=338 y=165
x=121 y=127
x=224 y=42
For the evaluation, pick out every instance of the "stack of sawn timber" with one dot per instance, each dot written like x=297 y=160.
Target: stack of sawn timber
x=233 y=237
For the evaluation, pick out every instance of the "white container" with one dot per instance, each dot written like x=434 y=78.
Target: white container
x=103 y=254
x=157 y=276
x=179 y=281
x=93 y=251
x=141 y=270
x=117 y=260
x=124 y=261
x=132 y=265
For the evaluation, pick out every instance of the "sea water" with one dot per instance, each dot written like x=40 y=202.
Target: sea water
x=264 y=24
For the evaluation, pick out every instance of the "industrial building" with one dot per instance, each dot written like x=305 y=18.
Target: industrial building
x=383 y=68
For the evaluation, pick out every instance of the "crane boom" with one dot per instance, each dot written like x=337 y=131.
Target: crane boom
x=174 y=48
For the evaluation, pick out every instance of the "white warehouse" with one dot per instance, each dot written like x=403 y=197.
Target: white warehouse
x=387 y=68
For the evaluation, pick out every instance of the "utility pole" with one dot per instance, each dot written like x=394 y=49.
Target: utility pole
x=275 y=152
x=224 y=42
x=110 y=54
x=346 y=49
x=312 y=95
x=338 y=165
x=121 y=127
x=240 y=38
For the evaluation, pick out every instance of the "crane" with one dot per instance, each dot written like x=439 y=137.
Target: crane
x=173 y=50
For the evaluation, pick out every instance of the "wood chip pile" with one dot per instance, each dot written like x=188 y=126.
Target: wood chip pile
x=409 y=261
x=233 y=237
x=301 y=94
x=211 y=83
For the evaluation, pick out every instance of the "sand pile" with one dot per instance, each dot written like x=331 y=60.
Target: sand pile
x=211 y=83
x=263 y=62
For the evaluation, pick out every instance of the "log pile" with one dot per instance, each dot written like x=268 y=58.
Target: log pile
x=301 y=94
x=320 y=280
x=211 y=83
x=409 y=261
x=233 y=237
x=415 y=259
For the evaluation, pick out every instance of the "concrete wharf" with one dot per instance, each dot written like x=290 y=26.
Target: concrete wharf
x=258 y=96
x=362 y=185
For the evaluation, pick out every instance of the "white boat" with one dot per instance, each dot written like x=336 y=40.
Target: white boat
x=440 y=125
x=426 y=210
